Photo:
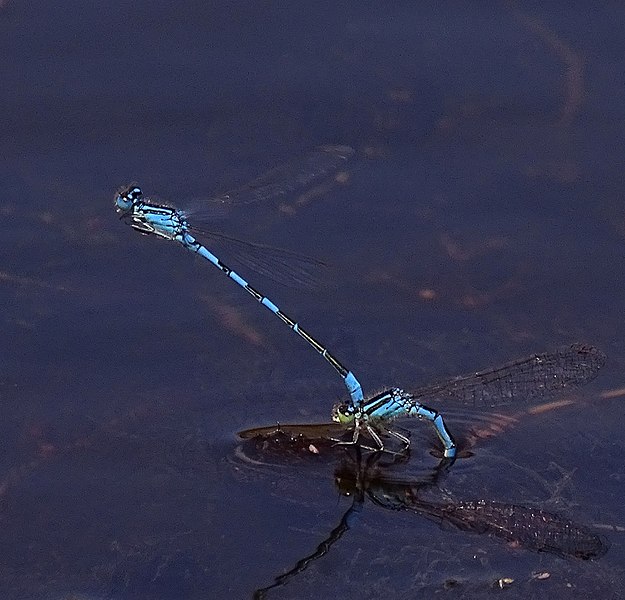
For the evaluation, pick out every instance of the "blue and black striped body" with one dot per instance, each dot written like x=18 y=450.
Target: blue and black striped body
x=375 y=413
x=170 y=223
x=536 y=377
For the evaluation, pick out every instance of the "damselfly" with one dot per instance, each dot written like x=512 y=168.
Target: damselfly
x=536 y=377
x=173 y=224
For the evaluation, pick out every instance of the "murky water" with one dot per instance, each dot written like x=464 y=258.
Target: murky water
x=480 y=220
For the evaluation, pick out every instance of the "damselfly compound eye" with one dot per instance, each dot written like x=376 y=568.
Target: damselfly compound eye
x=127 y=197
x=134 y=193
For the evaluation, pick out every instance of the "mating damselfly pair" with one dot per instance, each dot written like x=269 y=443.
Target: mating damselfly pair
x=536 y=377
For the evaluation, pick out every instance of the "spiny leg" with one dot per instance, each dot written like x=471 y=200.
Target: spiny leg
x=402 y=438
x=356 y=437
x=361 y=424
x=375 y=437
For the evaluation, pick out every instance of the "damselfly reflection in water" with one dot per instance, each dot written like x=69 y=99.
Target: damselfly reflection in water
x=538 y=376
x=520 y=526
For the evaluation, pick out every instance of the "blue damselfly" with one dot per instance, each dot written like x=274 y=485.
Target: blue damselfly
x=173 y=224
x=537 y=376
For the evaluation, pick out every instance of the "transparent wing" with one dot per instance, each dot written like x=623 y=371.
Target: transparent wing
x=282 y=266
x=288 y=178
x=537 y=377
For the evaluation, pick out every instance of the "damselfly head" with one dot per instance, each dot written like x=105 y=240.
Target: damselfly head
x=344 y=413
x=127 y=197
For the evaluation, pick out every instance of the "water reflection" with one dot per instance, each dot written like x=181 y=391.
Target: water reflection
x=375 y=476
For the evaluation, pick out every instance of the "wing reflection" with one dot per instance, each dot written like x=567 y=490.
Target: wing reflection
x=361 y=477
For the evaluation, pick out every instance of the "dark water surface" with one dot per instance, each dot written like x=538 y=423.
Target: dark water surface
x=482 y=220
